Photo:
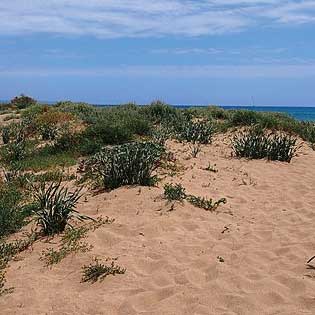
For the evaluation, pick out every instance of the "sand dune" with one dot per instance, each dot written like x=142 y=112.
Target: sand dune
x=246 y=258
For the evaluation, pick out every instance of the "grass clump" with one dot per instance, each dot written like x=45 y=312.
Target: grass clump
x=99 y=271
x=127 y=164
x=54 y=206
x=196 y=132
x=12 y=214
x=254 y=144
x=211 y=168
x=206 y=204
x=174 y=192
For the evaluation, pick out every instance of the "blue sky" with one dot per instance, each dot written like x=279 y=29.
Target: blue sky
x=227 y=52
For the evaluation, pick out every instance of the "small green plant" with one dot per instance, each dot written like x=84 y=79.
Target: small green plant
x=204 y=203
x=54 y=206
x=195 y=150
x=254 y=144
x=127 y=164
x=196 y=132
x=211 y=168
x=98 y=271
x=12 y=216
x=174 y=192
x=72 y=242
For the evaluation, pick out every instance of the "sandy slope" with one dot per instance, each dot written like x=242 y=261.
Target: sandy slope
x=265 y=234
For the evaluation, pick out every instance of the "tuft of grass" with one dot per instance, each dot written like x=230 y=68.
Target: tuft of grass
x=195 y=150
x=207 y=204
x=255 y=144
x=127 y=164
x=196 y=132
x=54 y=206
x=99 y=271
x=211 y=168
x=174 y=192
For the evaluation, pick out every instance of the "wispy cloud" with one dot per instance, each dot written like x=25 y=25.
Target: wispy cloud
x=172 y=71
x=141 y=18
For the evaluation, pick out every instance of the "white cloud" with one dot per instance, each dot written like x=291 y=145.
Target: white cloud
x=142 y=18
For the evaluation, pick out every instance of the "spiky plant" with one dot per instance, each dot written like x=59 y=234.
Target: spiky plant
x=255 y=144
x=54 y=206
x=196 y=132
x=127 y=164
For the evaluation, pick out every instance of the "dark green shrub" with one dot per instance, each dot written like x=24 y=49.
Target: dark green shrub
x=126 y=164
x=204 y=203
x=159 y=112
x=5 y=132
x=12 y=216
x=243 y=118
x=174 y=192
x=255 y=144
x=23 y=101
x=98 y=271
x=196 y=132
x=54 y=206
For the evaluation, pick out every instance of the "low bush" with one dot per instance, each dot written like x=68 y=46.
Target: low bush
x=159 y=112
x=255 y=144
x=23 y=101
x=126 y=164
x=206 y=204
x=98 y=271
x=174 y=192
x=12 y=215
x=54 y=206
x=196 y=132
x=243 y=118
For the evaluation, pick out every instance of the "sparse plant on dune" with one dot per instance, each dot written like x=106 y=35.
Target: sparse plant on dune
x=211 y=168
x=195 y=150
x=127 y=164
x=174 y=192
x=54 y=206
x=207 y=204
x=99 y=271
x=255 y=144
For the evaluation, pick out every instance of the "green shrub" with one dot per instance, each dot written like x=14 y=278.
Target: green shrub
x=196 y=132
x=204 y=203
x=98 y=271
x=126 y=164
x=12 y=216
x=244 y=118
x=23 y=101
x=174 y=192
x=255 y=144
x=159 y=112
x=54 y=206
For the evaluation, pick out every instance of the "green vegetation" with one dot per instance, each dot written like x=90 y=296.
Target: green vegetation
x=174 y=192
x=126 y=164
x=54 y=206
x=206 y=204
x=22 y=101
x=12 y=213
x=99 y=271
x=255 y=144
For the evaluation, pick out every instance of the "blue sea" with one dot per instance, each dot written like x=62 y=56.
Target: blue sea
x=300 y=113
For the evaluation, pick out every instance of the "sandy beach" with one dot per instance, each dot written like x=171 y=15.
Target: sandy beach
x=247 y=257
